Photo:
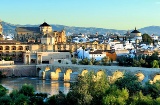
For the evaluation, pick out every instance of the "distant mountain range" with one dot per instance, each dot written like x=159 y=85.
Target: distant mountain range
x=9 y=29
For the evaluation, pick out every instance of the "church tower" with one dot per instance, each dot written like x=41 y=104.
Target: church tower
x=45 y=28
x=1 y=28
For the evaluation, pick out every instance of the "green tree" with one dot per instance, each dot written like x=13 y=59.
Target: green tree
x=146 y=38
x=74 y=61
x=115 y=96
x=3 y=91
x=59 y=99
x=140 y=99
x=85 y=61
x=21 y=100
x=105 y=60
x=130 y=82
x=152 y=89
x=36 y=100
x=27 y=90
x=88 y=90
x=155 y=64
x=6 y=100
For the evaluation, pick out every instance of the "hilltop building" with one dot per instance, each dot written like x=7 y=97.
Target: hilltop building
x=136 y=33
x=42 y=34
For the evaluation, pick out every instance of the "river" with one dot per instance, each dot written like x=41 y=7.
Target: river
x=44 y=86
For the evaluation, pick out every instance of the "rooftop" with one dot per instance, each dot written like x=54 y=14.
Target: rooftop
x=26 y=29
x=44 y=24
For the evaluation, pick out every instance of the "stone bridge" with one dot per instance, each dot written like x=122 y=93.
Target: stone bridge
x=71 y=72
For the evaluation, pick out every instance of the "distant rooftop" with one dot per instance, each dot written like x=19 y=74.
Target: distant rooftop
x=44 y=24
x=135 y=31
x=26 y=29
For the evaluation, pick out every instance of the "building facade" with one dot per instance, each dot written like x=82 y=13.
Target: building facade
x=34 y=34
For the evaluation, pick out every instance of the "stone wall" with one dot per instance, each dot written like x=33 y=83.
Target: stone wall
x=18 y=70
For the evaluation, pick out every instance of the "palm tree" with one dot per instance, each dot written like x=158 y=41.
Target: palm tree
x=83 y=51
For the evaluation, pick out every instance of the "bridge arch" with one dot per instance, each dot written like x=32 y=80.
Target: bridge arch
x=67 y=75
x=55 y=75
x=85 y=71
x=99 y=74
x=47 y=68
x=140 y=76
x=156 y=78
x=116 y=75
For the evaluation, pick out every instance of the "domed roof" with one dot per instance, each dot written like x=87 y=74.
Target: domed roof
x=44 y=24
x=135 y=31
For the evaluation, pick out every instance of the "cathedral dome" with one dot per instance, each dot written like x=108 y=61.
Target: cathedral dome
x=135 y=31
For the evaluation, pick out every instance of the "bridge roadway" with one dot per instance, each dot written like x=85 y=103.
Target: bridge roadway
x=67 y=72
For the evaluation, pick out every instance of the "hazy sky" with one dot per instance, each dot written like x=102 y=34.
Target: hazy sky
x=112 y=14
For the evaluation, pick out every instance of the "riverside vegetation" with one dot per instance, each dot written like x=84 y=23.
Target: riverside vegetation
x=90 y=89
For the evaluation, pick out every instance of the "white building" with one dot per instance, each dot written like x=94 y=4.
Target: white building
x=128 y=45
x=154 y=37
x=96 y=54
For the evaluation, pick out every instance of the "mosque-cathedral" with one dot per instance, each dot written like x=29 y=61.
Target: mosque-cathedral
x=39 y=44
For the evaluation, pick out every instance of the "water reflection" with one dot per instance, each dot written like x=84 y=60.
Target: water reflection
x=43 y=86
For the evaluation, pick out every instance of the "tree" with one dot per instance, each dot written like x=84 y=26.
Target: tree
x=59 y=99
x=140 y=99
x=105 y=60
x=146 y=38
x=27 y=90
x=155 y=64
x=152 y=89
x=115 y=96
x=85 y=61
x=117 y=37
x=3 y=91
x=130 y=82
x=21 y=100
x=74 y=61
x=6 y=100
x=88 y=90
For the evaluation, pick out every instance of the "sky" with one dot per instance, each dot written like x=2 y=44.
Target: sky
x=110 y=14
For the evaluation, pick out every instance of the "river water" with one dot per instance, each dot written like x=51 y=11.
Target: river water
x=44 y=86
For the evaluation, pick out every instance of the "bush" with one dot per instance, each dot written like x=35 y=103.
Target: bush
x=74 y=61
x=27 y=90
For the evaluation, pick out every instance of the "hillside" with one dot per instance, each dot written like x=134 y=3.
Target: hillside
x=10 y=29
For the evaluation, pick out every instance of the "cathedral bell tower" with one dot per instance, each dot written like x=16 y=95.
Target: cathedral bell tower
x=45 y=28
x=1 y=28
